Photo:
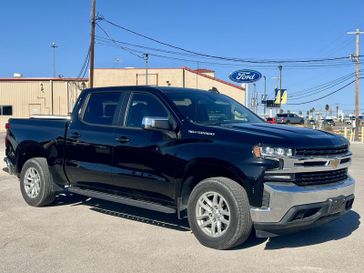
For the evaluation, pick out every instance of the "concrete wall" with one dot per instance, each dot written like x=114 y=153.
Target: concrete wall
x=178 y=77
x=32 y=97
x=136 y=76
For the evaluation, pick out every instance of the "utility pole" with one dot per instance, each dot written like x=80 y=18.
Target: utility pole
x=146 y=58
x=54 y=46
x=357 y=34
x=265 y=95
x=92 y=44
x=254 y=99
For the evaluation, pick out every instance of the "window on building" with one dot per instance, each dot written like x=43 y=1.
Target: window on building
x=101 y=108
x=6 y=110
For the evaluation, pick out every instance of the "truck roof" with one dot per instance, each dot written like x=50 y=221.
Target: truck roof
x=162 y=89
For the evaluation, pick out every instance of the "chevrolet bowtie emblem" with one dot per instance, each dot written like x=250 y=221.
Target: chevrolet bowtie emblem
x=334 y=163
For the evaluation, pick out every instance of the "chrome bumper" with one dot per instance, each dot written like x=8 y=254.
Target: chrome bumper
x=284 y=196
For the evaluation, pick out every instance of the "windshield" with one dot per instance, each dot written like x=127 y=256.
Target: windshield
x=211 y=108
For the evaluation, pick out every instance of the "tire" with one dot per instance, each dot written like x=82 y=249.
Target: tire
x=233 y=199
x=36 y=184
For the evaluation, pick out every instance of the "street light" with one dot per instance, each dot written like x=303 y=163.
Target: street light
x=54 y=46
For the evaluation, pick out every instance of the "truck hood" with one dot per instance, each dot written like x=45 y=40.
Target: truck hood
x=285 y=135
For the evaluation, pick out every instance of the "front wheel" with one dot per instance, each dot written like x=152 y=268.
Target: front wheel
x=219 y=213
x=36 y=184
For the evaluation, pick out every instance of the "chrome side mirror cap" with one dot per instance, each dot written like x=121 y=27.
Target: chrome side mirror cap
x=156 y=123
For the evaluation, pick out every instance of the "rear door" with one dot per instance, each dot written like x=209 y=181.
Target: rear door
x=90 y=138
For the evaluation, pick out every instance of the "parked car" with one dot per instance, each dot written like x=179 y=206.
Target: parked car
x=312 y=122
x=271 y=120
x=328 y=121
x=289 y=119
x=347 y=121
x=195 y=153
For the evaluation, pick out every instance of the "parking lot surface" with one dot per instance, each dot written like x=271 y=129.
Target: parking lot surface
x=88 y=235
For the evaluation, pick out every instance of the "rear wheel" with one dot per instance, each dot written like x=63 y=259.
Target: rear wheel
x=219 y=213
x=36 y=183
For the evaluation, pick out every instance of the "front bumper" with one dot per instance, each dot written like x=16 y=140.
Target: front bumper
x=291 y=207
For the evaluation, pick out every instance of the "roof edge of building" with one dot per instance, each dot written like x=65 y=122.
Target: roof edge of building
x=43 y=79
x=213 y=78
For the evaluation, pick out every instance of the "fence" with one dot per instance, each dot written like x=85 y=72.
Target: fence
x=348 y=133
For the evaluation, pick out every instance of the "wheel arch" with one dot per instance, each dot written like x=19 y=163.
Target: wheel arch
x=200 y=169
x=27 y=150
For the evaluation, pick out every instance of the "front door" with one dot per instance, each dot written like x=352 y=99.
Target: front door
x=139 y=159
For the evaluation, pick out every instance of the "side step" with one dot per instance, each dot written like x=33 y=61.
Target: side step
x=122 y=200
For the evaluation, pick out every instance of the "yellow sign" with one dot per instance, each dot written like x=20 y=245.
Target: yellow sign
x=281 y=96
x=284 y=97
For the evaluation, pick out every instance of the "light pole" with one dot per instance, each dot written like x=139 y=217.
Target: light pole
x=280 y=85
x=54 y=46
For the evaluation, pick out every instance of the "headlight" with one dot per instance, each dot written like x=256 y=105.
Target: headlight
x=269 y=151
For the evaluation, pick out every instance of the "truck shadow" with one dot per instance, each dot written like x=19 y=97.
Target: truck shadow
x=126 y=212
x=335 y=230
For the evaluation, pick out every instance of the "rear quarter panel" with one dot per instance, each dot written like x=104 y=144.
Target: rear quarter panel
x=38 y=138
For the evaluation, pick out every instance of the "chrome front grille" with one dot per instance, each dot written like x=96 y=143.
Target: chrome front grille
x=312 y=170
x=318 y=178
x=322 y=151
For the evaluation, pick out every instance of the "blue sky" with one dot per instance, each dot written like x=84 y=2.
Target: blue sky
x=247 y=29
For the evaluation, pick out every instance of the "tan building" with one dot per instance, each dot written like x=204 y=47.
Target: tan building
x=179 y=77
x=24 y=97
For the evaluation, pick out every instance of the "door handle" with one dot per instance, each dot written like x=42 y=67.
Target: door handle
x=75 y=135
x=122 y=139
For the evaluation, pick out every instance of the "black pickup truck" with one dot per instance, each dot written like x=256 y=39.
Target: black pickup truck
x=195 y=153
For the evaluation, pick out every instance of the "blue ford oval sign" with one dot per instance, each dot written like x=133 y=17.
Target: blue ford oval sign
x=245 y=76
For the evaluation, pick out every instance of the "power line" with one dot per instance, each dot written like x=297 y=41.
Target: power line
x=114 y=41
x=233 y=59
x=325 y=96
x=322 y=87
x=118 y=44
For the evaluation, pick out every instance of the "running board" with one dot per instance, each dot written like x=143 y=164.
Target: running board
x=122 y=200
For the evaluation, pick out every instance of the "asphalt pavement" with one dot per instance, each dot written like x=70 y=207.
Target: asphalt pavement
x=88 y=235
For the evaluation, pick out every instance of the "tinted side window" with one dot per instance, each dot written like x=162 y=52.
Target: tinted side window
x=101 y=108
x=144 y=105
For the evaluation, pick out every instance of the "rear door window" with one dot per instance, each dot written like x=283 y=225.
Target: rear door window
x=101 y=108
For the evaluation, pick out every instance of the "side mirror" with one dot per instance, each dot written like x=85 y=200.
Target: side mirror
x=156 y=123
